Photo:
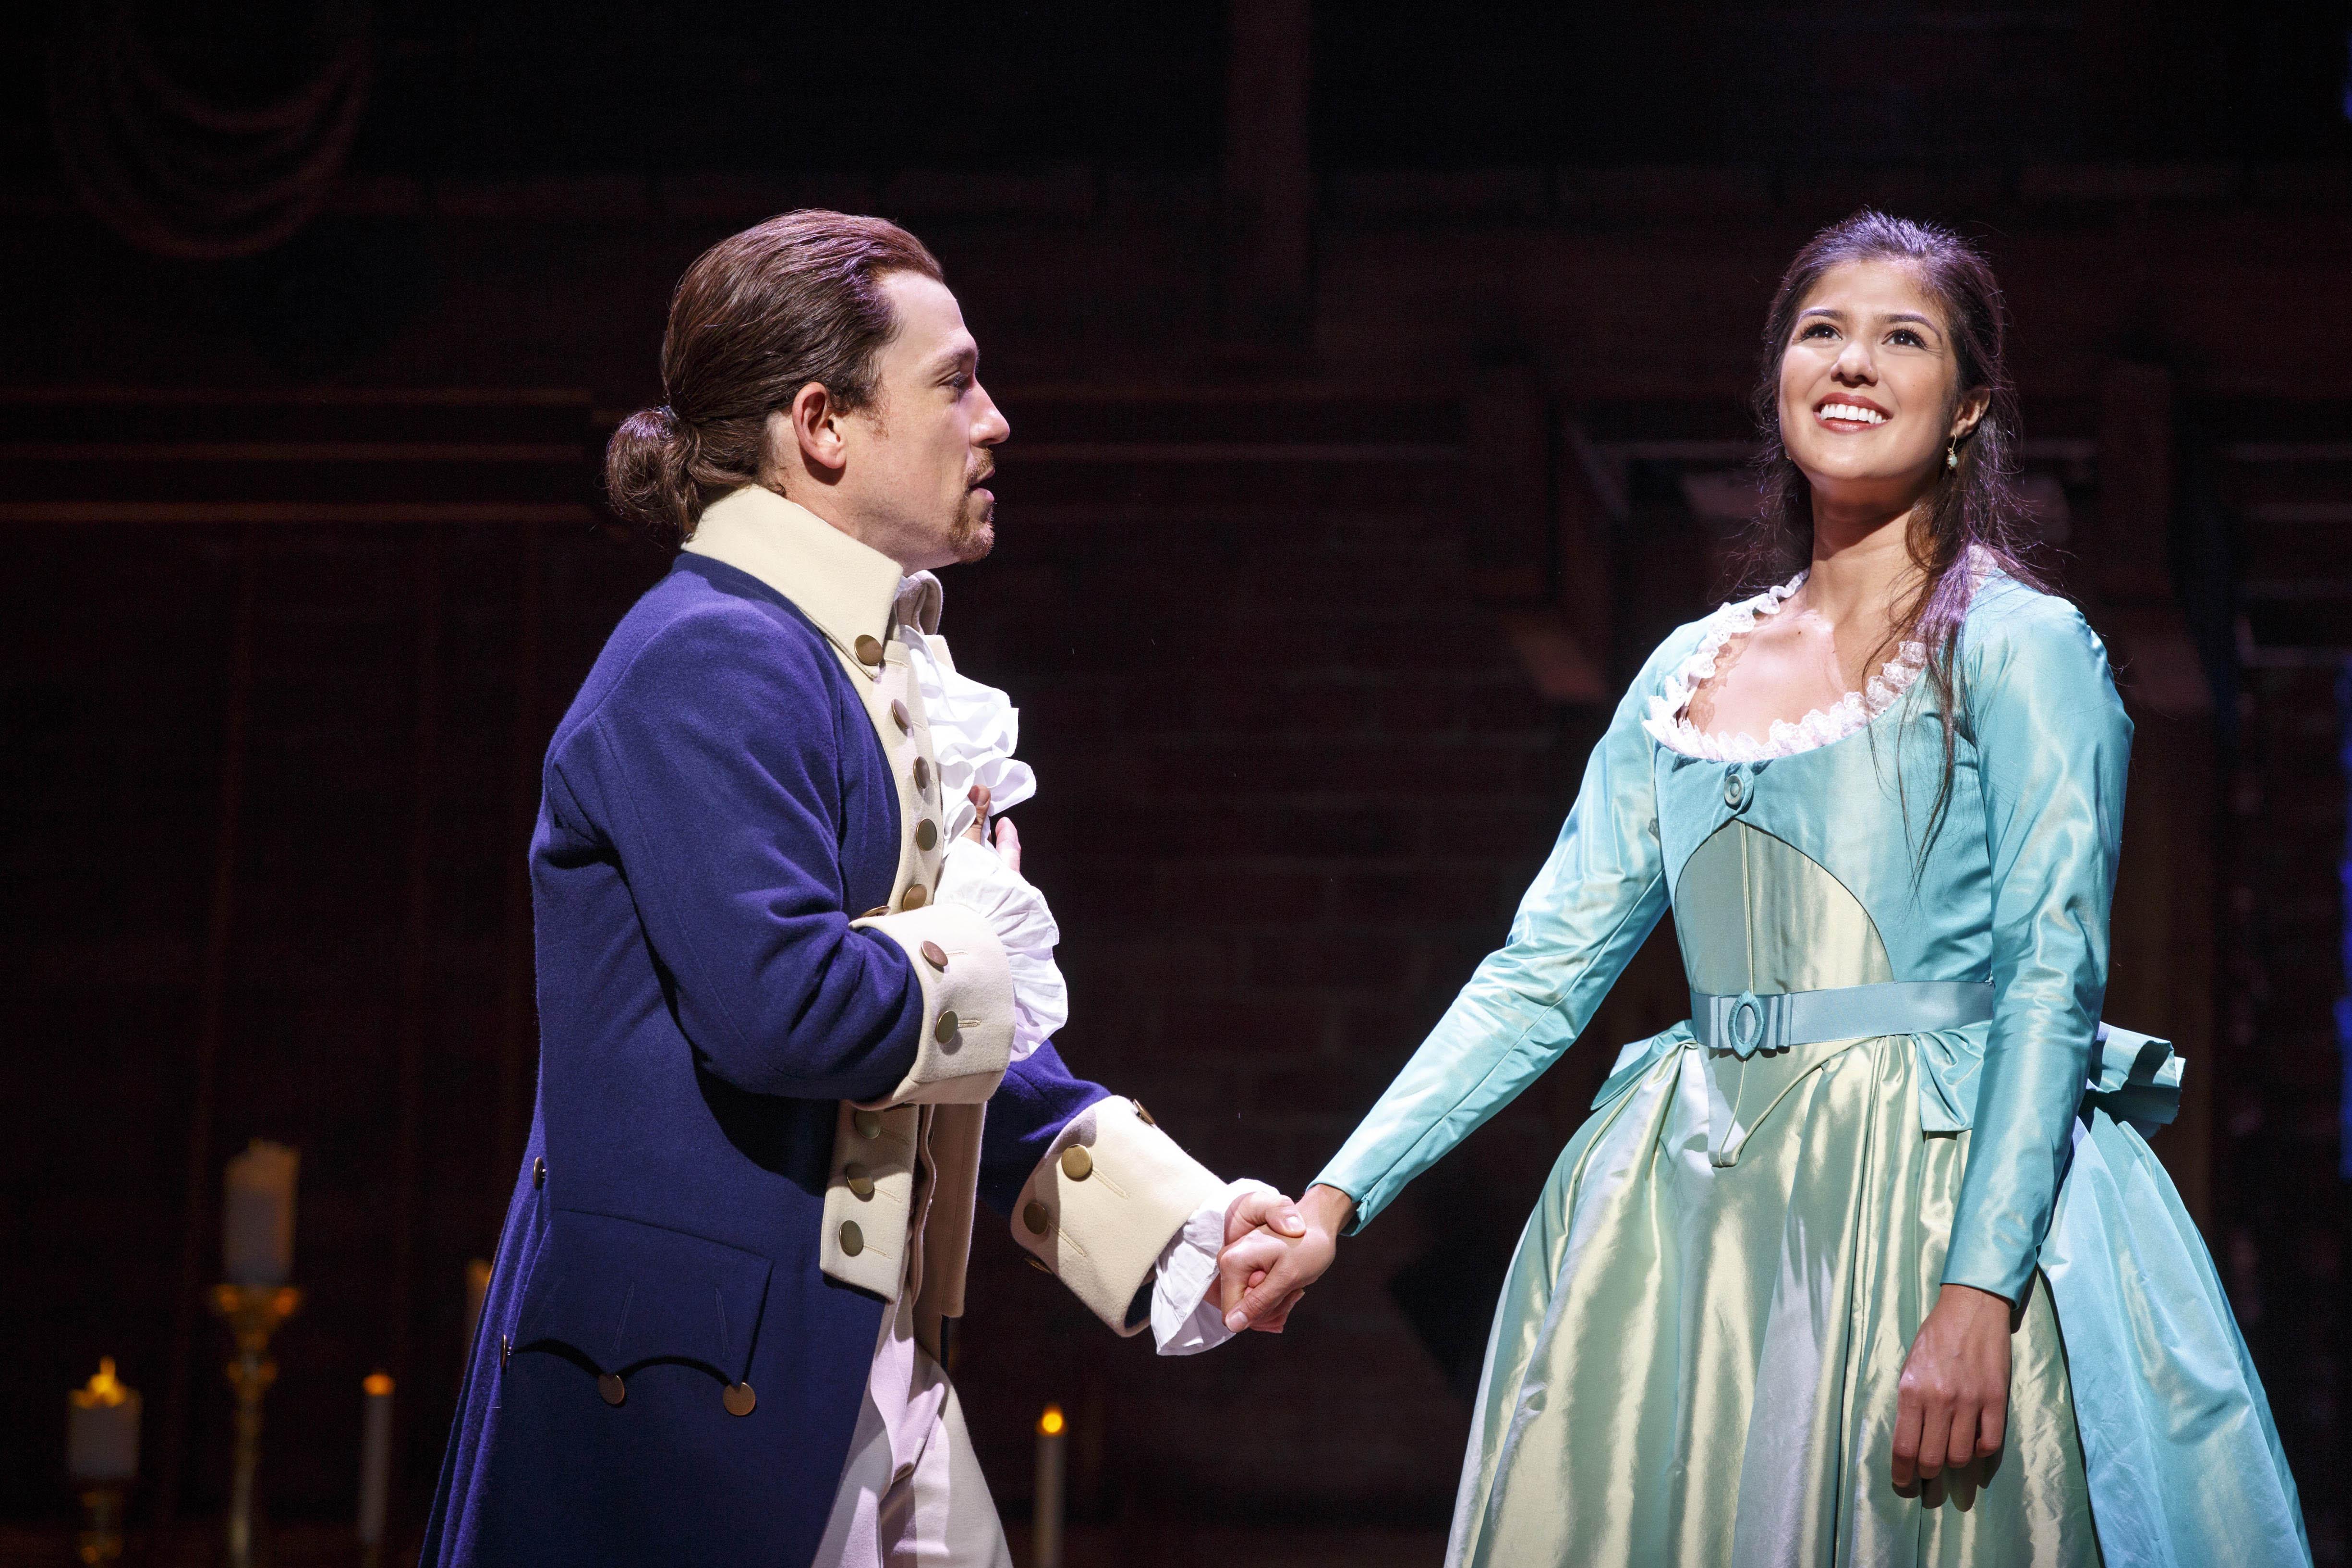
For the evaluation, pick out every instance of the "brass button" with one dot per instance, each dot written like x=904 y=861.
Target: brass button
x=738 y=1399
x=1076 y=1163
x=927 y=834
x=876 y=912
x=610 y=1386
x=870 y=651
x=538 y=1171
x=945 y=1029
x=853 y=1240
x=899 y=715
x=1035 y=1217
x=914 y=898
x=860 y=1183
x=922 y=774
x=935 y=956
x=867 y=1122
x=1144 y=1116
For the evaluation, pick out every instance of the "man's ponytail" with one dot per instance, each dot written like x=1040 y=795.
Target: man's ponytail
x=645 y=481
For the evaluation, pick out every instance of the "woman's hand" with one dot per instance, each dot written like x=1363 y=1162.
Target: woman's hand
x=1263 y=1274
x=1952 y=1404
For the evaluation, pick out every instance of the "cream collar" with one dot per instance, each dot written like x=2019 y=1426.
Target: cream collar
x=846 y=587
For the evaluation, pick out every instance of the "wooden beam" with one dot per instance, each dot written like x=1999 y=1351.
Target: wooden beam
x=1536 y=529
x=416 y=970
x=1506 y=504
x=203 y=1191
x=321 y=514
x=2161 y=974
x=2126 y=548
x=1269 y=172
x=518 y=1008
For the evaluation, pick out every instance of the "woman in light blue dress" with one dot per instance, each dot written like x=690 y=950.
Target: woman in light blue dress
x=1869 y=1261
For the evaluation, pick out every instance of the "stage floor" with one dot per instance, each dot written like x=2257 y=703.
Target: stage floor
x=1154 y=1543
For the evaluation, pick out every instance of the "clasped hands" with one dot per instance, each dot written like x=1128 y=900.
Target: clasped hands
x=1275 y=1249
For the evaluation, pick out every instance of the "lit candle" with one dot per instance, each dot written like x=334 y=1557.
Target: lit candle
x=103 y=1428
x=477 y=1291
x=1053 y=1461
x=258 y=1223
x=375 y=1456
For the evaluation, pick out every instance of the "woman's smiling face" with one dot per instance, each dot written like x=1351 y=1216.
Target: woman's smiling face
x=1870 y=399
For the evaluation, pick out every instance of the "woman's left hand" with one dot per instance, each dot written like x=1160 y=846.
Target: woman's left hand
x=1952 y=1404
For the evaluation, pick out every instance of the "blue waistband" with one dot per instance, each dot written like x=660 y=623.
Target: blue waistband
x=1747 y=1023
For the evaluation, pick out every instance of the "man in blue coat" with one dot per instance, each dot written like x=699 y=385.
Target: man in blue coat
x=792 y=1013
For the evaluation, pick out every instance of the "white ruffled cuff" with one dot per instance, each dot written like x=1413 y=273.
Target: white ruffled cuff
x=974 y=877
x=1185 y=1315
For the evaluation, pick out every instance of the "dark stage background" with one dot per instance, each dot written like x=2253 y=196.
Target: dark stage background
x=1376 y=375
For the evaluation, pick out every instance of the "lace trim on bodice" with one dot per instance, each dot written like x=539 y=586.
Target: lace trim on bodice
x=1669 y=719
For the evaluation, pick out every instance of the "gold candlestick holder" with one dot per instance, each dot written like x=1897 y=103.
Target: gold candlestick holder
x=252 y=1313
x=100 y=1540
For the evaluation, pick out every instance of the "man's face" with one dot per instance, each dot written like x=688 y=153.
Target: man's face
x=918 y=454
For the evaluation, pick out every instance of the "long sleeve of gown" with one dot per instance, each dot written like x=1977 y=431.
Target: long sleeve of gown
x=1599 y=893
x=2053 y=744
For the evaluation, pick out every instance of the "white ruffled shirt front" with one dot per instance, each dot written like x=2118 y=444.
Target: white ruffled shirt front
x=975 y=728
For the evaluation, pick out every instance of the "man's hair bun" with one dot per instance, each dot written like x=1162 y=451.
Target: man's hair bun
x=646 y=475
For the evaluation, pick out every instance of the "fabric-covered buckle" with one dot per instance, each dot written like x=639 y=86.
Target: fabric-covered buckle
x=1744 y=1024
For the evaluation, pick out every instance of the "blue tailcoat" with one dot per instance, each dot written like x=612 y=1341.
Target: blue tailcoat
x=715 y=809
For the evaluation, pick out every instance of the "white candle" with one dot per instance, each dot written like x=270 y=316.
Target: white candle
x=257 y=1222
x=1053 y=1461
x=103 y=1428
x=375 y=1457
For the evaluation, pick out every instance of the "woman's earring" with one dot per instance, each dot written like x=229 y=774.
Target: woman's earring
x=1952 y=455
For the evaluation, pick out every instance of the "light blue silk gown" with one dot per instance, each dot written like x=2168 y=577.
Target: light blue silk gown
x=1696 y=1353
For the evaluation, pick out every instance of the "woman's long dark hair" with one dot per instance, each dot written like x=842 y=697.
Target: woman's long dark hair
x=1975 y=508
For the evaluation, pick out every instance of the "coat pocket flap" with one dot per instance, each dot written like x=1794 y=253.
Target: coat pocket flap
x=621 y=1292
